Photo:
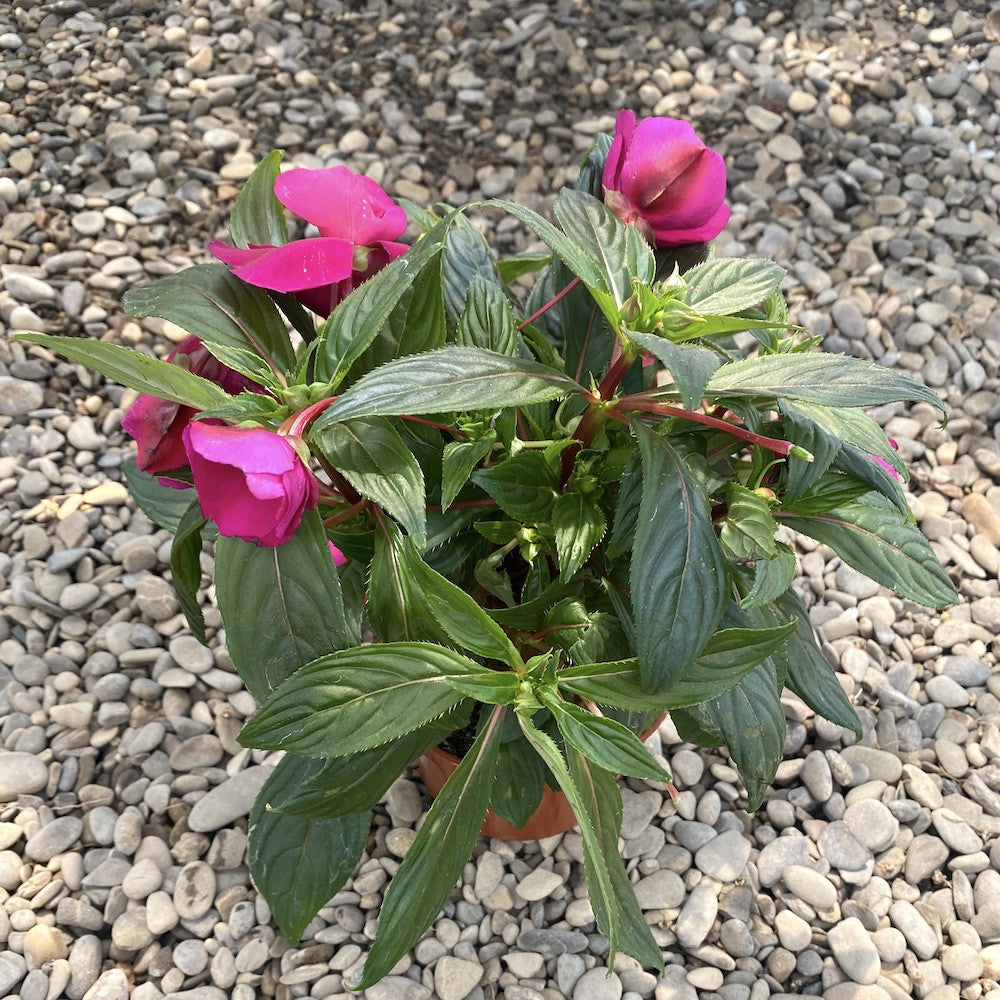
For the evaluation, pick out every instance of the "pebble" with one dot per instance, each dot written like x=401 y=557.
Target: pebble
x=810 y=887
x=854 y=951
x=54 y=838
x=697 y=916
x=21 y=774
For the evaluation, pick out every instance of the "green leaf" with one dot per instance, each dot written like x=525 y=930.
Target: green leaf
x=395 y=604
x=237 y=322
x=524 y=486
x=358 y=698
x=823 y=443
x=437 y=856
x=729 y=655
x=596 y=802
x=575 y=257
x=185 y=568
x=771 y=577
x=627 y=510
x=130 y=368
x=281 y=604
x=750 y=720
x=322 y=788
x=460 y=615
x=417 y=324
x=873 y=537
x=620 y=251
x=810 y=675
x=448 y=380
x=466 y=258
x=690 y=366
x=161 y=504
x=358 y=319
x=521 y=776
x=727 y=285
x=488 y=320
x=372 y=457
x=460 y=458
x=604 y=742
x=579 y=525
x=258 y=217
x=748 y=529
x=679 y=578
x=830 y=379
x=518 y=265
x=298 y=864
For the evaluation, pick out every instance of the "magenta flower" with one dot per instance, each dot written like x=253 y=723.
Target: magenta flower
x=662 y=179
x=358 y=225
x=250 y=481
x=338 y=557
x=157 y=424
x=888 y=466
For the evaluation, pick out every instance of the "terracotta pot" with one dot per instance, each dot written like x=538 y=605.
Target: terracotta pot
x=554 y=814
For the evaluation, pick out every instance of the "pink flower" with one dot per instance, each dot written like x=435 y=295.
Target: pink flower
x=358 y=224
x=157 y=424
x=660 y=177
x=338 y=557
x=250 y=481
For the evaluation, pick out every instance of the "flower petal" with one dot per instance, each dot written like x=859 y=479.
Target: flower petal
x=341 y=203
x=302 y=264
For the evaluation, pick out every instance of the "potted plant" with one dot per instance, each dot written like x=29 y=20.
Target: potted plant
x=521 y=506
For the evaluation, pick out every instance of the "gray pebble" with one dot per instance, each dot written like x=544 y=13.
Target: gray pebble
x=855 y=951
x=228 y=801
x=21 y=774
x=697 y=916
x=725 y=857
x=18 y=397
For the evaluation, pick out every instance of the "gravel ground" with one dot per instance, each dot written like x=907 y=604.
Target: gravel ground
x=861 y=141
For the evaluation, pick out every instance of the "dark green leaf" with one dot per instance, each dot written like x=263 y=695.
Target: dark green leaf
x=298 y=864
x=810 y=675
x=521 y=776
x=337 y=786
x=258 y=217
x=489 y=320
x=448 y=380
x=524 y=485
x=831 y=379
x=872 y=536
x=371 y=456
x=459 y=614
x=727 y=285
x=161 y=504
x=619 y=251
x=460 y=458
x=358 y=698
x=395 y=605
x=604 y=742
x=466 y=257
x=185 y=569
x=132 y=369
x=728 y=656
x=237 y=322
x=679 y=577
x=281 y=604
x=771 y=577
x=596 y=802
x=751 y=722
x=627 y=511
x=690 y=366
x=592 y=168
x=357 y=321
x=748 y=529
x=579 y=525
x=252 y=407
x=435 y=860
x=821 y=442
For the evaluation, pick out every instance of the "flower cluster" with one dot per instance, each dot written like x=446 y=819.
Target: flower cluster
x=559 y=488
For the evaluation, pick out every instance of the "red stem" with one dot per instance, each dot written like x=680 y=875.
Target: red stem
x=548 y=305
x=639 y=402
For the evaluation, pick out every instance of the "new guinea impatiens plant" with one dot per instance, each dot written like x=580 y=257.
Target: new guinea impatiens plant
x=523 y=505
